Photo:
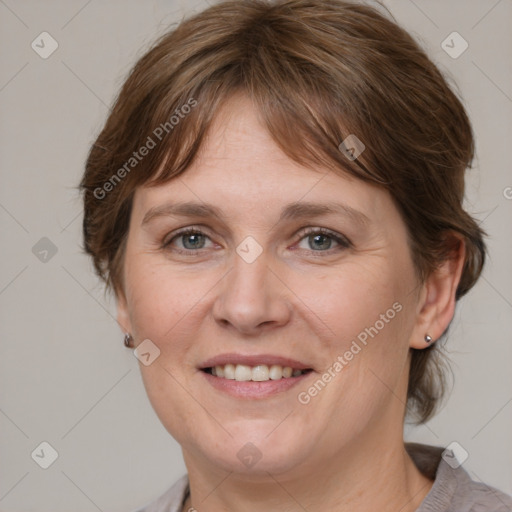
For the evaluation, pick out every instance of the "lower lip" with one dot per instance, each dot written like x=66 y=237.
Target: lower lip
x=252 y=389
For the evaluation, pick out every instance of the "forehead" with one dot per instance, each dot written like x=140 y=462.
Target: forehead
x=239 y=166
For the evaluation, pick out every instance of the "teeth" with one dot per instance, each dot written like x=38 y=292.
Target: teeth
x=229 y=371
x=243 y=372
x=258 y=373
x=275 y=372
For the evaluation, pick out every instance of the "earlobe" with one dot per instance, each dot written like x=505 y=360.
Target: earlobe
x=123 y=318
x=438 y=301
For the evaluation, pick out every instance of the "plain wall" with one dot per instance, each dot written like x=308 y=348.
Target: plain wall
x=66 y=377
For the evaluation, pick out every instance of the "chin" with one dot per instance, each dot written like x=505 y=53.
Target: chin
x=254 y=463
x=257 y=454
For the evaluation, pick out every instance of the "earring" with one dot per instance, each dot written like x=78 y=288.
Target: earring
x=428 y=339
x=128 y=340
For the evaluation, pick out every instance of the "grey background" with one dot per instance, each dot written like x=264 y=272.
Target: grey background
x=65 y=376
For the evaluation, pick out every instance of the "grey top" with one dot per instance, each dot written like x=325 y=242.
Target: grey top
x=453 y=489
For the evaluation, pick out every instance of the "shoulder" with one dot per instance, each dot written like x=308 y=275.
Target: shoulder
x=454 y=490
x=476 y=496
x=171 y=500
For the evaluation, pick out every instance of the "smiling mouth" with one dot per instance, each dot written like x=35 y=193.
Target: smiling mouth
x=257 y=373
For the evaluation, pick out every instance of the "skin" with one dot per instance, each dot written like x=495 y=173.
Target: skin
x=303 y=298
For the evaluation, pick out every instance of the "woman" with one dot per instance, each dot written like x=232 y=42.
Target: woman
x=276 y=201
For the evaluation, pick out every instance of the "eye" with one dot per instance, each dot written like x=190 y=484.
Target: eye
x=191 y=238
x=321 y=239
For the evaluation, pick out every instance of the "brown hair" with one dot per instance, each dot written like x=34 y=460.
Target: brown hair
x=317 y=70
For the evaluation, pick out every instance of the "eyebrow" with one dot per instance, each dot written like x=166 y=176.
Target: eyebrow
x=296 y=210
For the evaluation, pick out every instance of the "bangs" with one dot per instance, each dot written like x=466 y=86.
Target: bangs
x=307 y=112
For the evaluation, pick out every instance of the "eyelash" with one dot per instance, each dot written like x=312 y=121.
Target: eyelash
x=342 y=241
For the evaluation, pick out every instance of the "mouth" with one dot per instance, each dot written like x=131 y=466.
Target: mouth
x=257 y=373
x=254 y=376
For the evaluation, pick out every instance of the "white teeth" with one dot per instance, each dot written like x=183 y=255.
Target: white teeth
x=276 y=372
x=243 y=372
x=258 y=373
x=229 y=371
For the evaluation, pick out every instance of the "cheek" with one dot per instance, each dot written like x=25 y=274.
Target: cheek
x=367 y=312
x=164 y=309
x=352 y=300
x=158 y=299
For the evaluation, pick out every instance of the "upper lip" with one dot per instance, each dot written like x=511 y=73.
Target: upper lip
x=253 y=360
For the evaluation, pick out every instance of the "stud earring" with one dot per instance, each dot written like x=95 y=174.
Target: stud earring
x=128 y=340
x=428 y=339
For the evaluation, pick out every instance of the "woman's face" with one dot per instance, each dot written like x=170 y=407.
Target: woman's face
x=257 y=287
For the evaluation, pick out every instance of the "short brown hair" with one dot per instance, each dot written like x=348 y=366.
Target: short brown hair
x=317 y=70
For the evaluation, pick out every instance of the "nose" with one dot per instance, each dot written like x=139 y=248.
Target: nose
x=253 y=298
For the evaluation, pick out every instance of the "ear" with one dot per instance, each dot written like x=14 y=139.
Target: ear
x=123 y=317
x=436 y=305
